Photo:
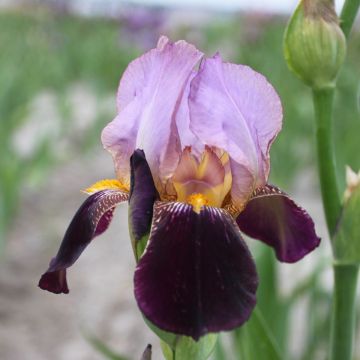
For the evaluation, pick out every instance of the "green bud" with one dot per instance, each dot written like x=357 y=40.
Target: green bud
x=347 y=239
x=314 y=44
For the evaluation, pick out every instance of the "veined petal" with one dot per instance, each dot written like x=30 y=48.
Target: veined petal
x=91 y=220
x=107 y=184
x=143 y=194
x=272 y=217
x=119 y=138
x=205 y=177
x=187 y=137
x=149 y=95
x=235 y=109
x=196 y=275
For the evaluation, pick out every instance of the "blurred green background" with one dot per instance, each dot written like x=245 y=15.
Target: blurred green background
x=49 y=56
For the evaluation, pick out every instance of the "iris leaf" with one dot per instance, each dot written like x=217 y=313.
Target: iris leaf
x=219 y=351
x=186 y=348
x=269 y=301
x=103 y=349
x=255 y=341
x=183 y=347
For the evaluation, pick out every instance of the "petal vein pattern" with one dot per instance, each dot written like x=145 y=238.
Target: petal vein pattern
x=196 y=275
x=159 y=79
x=92 y=219
x=274 y=218
x=235 y=109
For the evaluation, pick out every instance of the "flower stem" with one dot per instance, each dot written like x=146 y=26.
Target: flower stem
x=345 y=276
x=348 y=15
x=323 y=104
x=343 y=311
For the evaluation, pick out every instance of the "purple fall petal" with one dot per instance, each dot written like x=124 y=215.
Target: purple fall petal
x=235 y=109
x=272 y=217
x=91 y=220
x=54 y=281
x=150 y=93
x=196 y=275
x=142 y=196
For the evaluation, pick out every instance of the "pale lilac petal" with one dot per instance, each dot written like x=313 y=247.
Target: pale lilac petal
x=242 y=181
x=235 y=109
x=119 y=138
x=148 y=99
x=187 y=137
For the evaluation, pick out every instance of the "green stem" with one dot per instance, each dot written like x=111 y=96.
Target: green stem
x=348 y=15
x=343 y=314
x=323 y=104
x=343 y=311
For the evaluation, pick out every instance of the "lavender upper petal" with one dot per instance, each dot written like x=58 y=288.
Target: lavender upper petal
x=149 y=95
x=236 y=109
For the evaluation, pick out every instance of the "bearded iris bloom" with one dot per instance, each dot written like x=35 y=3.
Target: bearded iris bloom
x=191 y=152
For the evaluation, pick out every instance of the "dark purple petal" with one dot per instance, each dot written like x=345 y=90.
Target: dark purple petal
x=143 y=194
x=196 y=275
x=91 y=220
x=272 y=217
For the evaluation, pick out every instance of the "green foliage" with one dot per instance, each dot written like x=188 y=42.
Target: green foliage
x=103 y=349
x=273 y=307
x=219 y=351
x=255 y=339
x=186 y=348
x=183 y=347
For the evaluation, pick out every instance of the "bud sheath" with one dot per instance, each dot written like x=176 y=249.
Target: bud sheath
x=314 y=44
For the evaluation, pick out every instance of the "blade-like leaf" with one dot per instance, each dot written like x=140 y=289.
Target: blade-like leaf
x=186 y=348
x=183 y=347
x=269 y=301
x=219 y=350
x=103 y=349
x=254 y=340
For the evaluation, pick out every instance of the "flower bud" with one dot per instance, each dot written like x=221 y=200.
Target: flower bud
x=347 y=240
x=314 y=44
x=352 y=183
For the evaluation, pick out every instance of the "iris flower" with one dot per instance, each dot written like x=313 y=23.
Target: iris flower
x=190 y=144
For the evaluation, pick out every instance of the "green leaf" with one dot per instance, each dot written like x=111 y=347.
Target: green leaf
x=269 y=301
x=254 y=340
x=169 y=338
x=103 y=349
x=183 y=347
x=219 y=351
x=186 y=348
